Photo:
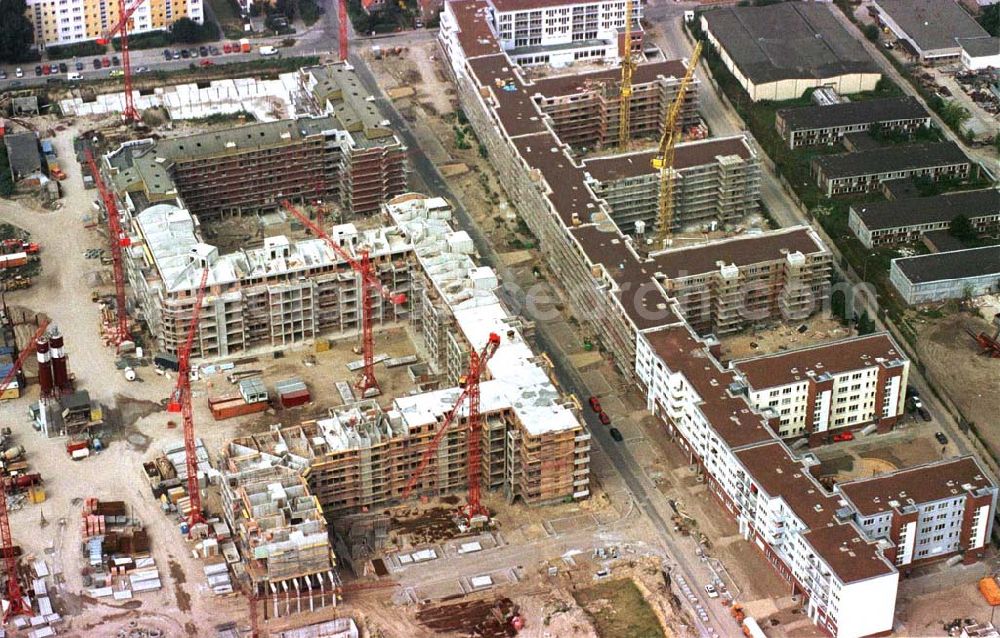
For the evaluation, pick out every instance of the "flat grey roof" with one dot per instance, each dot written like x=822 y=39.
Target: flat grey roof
x=23 y=154
x=898 y=157
x=848 y=113
x=958 y=264
x=788 y=40
x=980 y=47
x=926 y=210
x=932 y=24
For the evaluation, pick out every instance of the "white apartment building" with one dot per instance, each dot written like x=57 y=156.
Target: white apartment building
x=68 y=21
x=806 y=534
x=836 y=385
x=557 y=33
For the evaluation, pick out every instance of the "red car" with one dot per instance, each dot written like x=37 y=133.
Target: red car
x=45 y=70
x=227 y=48
x=595 y=404
x=105 y=62
x=605 y=419
x=843 y=436
x=206 y=63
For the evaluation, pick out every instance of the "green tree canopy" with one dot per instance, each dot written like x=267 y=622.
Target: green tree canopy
x=16 y=34
x=962 y=229
x=990 y=19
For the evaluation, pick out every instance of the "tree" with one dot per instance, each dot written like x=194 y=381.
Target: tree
x=989 y=19
x=16 y=35
x=186 y=30
x=872 y=32
x=962 y=229
x=865 y=324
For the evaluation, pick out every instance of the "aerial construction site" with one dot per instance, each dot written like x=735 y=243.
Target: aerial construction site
x=505 y=327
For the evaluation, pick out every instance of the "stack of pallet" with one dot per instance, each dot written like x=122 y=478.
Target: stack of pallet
x=118 y=550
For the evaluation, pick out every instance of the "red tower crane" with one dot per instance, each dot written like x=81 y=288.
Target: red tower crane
x=370 y=286
x=470 y=391
x=342 y=28
x=118 y=240
x=17 y=605
x=125 y=11
x=181 y=402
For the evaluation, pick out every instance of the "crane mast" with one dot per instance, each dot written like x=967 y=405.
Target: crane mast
x=370 y=287
x=118 y=240
x=125 y=11
x=181 y=402
x=470 y=391
x=663 y=161
x=628 y=67
x=16 y=604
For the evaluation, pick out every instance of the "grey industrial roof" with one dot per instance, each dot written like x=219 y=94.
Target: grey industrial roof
x=847 y=113
x=932 y=24
x=926 y=210
x=787 y=40
x=897 y=157
x=958 y=264
x=980 y=47
x=22 y=154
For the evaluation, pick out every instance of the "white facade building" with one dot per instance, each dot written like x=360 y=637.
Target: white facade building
x=558 y=33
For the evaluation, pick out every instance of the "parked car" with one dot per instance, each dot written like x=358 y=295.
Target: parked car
x=115 y=61
x=843 y=436
x=595 y=404
x=19 y=72
x=616 y=435
x=3 y=74
x=206 y=63
x=79 y=66
x=105 y=62
x=63 y=68
x=912 y=391
x=227 y=48
x=167 y=54
x=177 y=55
x=97 y=63
x=213 y=50
x=603 y=416
x=203 y=52
x=54 y=68
x=941 y=438
x=711 y=591
x=38 y=69
x=185 y=54
x=924 y=413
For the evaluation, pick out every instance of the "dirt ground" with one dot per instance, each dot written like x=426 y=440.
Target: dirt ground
x=953 y=363
x=184 y=606
x=756 y=342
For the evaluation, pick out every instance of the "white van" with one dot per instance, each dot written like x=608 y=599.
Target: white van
x=268 y=50
x=74 y=76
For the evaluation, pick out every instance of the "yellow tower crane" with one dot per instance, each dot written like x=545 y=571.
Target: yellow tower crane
x=628 y=66
x=663 y=161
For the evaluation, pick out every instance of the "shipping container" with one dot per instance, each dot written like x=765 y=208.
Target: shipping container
x=166 y=361
x=232 y=406
x=13 y=260
x=293 y=399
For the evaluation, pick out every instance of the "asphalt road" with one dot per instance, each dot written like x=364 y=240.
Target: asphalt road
x=643 y=492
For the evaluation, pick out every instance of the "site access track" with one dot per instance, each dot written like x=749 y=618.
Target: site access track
x=652 y=503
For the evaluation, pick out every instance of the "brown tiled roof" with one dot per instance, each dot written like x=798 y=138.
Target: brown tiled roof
x=833 y=357
x=923 y=483
x=475 y=37
x=742 y=251
x=614 y=167
x=516 y=111
x=849 y=555
x=772 y=469
x=730 y=416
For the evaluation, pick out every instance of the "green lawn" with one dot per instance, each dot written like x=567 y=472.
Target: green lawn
x=617 y=609
x=229 y=20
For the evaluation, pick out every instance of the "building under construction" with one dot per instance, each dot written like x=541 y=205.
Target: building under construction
x=584 y=108
x=282 y=293
x=533 y=445
x=716 y=181
x=281 y=533
x=345 y=154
